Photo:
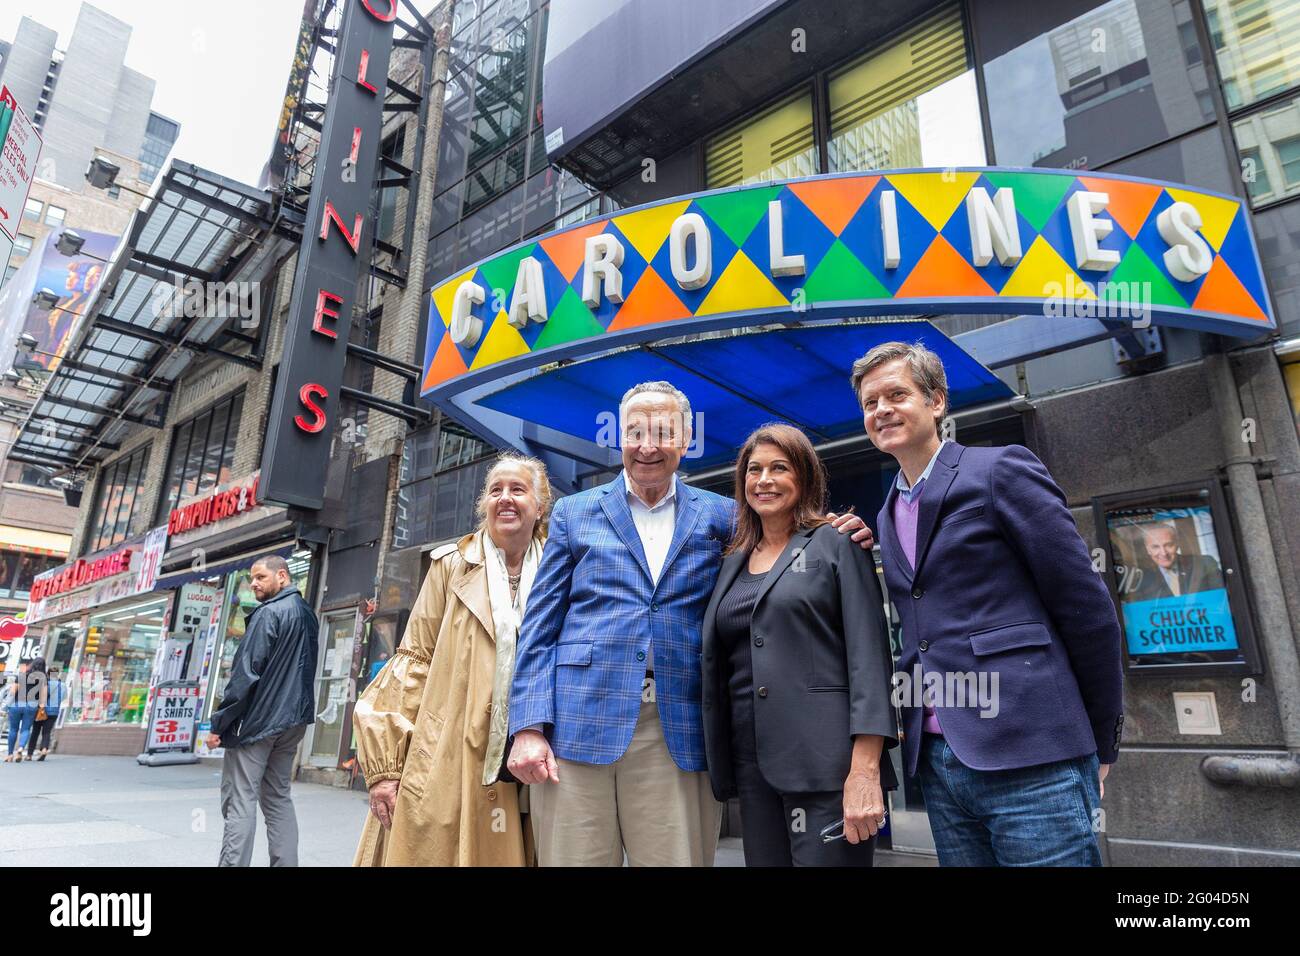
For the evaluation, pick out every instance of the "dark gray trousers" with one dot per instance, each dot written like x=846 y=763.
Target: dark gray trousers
x=254 y=775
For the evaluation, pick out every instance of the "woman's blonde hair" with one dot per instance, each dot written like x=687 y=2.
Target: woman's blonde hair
x=541 y=489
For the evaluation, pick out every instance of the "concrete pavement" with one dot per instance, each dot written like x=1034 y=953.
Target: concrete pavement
x=110 y=811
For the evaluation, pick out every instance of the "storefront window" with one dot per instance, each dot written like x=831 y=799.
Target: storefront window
x=912 y=103
x=60 y=644
x=1087 y=91
x=777 y=144
x=1257 y=47
x=239 y=604
x=116 y=663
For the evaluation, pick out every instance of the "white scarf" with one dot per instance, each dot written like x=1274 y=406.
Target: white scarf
x=507 y=615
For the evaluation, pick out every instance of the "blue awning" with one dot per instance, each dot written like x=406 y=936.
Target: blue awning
x=737 y=382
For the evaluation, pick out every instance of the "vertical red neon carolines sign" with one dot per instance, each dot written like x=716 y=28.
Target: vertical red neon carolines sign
x=335 y=248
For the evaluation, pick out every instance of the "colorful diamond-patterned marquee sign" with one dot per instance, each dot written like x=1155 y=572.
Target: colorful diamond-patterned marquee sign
x=1045 y=242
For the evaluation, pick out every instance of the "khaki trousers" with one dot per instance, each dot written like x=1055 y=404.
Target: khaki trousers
x=642 y=805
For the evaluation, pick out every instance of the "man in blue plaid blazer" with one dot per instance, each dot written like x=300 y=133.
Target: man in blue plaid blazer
x=605 y=705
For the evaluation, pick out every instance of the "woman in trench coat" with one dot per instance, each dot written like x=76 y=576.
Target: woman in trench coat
x=431 y=727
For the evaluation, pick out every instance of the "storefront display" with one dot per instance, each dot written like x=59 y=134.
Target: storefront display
x=238 y=602
x=117 y=660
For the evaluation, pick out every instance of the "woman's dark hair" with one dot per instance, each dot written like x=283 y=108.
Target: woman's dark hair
x=38 y=665
x=809 y=476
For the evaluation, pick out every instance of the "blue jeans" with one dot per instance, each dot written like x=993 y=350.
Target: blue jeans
x=21 y=717
x=1030 y=816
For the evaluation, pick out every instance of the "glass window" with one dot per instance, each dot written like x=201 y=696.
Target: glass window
x=22 y=244
x=1190 y=44
x=8 y=568
x=32 y=210
x=453 y=139
x=1269 y=143
x=912 y=103
x=393 y=147
x=1288 y=154
x=1257 y=47
x=777 y=144
x=54 y=215
x=1085 y=92
x=116 y=663
x=119 y=493
x=500 y=86
x=1255 y=176
x=201 y=454
x=495 y=177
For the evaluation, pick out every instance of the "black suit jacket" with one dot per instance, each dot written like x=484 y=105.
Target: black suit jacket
x=822 y=667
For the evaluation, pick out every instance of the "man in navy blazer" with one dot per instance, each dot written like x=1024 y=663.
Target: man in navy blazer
x=1010 y=676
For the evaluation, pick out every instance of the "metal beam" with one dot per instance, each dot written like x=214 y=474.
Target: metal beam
x=160 y=262
x=1028 y=337
x=385 y=362
x=98 y=410
x=411 y=414
x=45 y=457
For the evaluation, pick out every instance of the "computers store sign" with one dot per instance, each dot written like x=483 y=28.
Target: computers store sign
x=230 y=506
x=1053 y=243
x=122 y=571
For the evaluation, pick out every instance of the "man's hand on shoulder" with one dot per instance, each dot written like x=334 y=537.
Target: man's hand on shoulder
x=855 y=527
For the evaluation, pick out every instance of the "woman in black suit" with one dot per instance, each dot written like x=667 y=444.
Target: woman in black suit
x=797 y=711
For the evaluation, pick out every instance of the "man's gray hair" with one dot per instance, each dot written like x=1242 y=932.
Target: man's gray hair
x=666 y=388
x=1153 y=526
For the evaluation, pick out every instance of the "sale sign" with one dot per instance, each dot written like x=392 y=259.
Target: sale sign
x=171 y=723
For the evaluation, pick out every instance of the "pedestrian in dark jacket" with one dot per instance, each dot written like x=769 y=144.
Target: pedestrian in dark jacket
x=263 y=716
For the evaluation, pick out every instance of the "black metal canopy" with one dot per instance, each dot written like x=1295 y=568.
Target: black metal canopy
x=135 y=338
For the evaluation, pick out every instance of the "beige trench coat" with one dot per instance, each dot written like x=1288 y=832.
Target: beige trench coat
x=424 y=721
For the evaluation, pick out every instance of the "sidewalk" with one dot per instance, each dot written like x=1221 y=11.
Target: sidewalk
x=110 y=811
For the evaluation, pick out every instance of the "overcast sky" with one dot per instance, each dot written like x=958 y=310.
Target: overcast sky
x=220 y=65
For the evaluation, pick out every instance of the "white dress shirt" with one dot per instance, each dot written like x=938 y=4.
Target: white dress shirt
x=654 y=525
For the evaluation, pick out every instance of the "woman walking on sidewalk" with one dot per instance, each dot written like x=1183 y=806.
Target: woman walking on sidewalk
x=431 y=728
x=42 y=728
x=27 y=701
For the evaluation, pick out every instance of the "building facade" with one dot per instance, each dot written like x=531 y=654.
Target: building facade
x=161 y=410
x=1171 y=425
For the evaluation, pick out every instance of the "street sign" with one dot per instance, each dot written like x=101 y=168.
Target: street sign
x=21 y=148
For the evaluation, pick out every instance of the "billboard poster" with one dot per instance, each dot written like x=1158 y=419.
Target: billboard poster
x=73 y=279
